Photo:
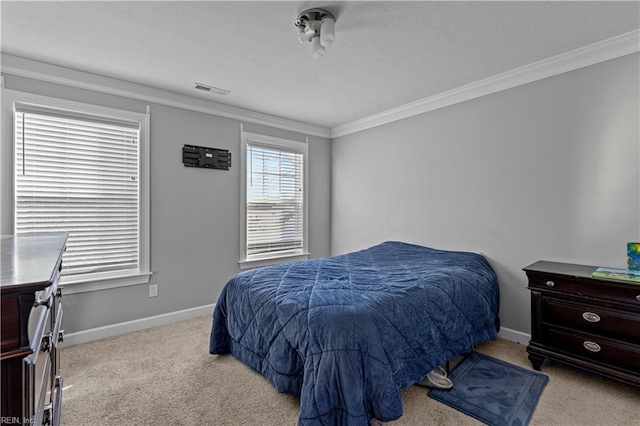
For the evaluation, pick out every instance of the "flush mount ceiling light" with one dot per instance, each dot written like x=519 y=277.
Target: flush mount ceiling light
x=318 y=27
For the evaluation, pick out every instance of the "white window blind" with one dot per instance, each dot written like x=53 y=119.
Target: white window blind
x=79 y=174
x=275 y=201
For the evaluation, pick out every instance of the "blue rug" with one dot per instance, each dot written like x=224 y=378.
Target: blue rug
x=493 y=391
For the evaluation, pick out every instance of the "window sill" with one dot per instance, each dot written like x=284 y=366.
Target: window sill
x=103 y=281
x=257 y=263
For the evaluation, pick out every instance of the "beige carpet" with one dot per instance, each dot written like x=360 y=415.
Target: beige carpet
x=165 y=376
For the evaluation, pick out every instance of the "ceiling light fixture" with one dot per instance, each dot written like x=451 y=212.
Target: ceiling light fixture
x=317 y=26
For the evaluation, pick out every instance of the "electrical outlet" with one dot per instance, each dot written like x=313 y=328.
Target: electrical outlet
x=153 y=290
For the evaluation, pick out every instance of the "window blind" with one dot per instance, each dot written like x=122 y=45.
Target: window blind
x=275 y=202
x=78 y=173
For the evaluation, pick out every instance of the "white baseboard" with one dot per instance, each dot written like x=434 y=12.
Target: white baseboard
x=142 y=323
x=135 y=325
x=514 y=336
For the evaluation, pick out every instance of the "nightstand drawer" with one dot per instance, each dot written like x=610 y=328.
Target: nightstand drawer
x=597 y=349
x=598 y=289
x=592 y=319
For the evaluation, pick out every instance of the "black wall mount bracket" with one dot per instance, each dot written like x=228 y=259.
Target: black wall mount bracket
x=207 y=158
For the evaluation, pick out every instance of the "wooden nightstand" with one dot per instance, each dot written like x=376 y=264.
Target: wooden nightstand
x=583 y=321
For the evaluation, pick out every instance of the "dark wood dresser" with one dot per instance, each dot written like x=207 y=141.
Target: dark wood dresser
x=31 y=328
x=583 y=321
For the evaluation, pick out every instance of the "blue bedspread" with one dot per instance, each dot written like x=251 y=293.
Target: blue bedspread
x=347 y=333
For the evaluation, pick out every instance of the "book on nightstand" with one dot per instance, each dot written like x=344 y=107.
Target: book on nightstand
x=617 y=274
x=633 y=256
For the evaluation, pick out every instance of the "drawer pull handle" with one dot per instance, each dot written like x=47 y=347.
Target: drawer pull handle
x=550 y=284
x=42 y=302
x=46 y=414
x=45 y=343
x=638 y=298
x=591 y=346
x=591 y=317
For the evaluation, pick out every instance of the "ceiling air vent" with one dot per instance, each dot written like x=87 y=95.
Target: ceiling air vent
x=211 y=89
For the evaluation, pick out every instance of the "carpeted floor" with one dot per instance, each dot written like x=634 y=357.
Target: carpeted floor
x=165 y=376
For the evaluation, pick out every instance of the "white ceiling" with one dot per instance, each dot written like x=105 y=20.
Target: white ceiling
x=386 y=54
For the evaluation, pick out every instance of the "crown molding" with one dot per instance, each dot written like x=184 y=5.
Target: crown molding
x=28 y=68
x=605 y=50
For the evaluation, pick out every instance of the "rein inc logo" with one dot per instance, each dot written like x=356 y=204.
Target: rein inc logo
x=5 y=420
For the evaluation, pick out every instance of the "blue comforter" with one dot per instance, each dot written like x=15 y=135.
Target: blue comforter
x=347 y=333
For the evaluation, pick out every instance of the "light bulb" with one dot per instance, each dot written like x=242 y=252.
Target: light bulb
x=327 y=31
x=302 y=37
x=317 y=50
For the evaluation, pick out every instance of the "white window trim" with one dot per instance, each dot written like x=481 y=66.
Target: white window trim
x=297 y=146
x=98 y=281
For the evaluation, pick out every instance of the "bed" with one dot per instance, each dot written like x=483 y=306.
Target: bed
x=346 y=334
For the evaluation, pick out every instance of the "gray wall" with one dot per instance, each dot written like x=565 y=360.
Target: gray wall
x=195 y=213
x=548 y=170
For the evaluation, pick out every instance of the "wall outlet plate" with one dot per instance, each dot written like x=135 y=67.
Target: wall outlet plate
x=153 y=290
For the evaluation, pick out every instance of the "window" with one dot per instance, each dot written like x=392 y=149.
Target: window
x=274 y=200
x=81 y=169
